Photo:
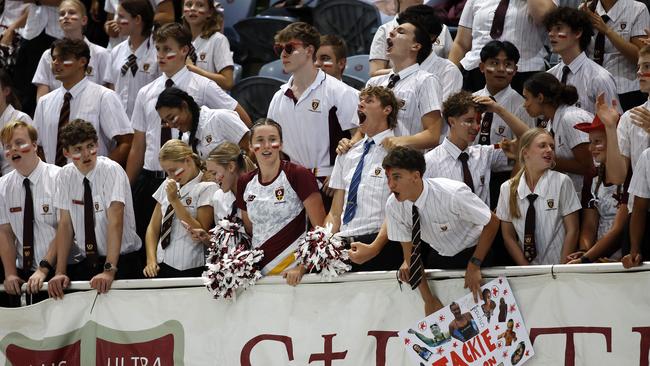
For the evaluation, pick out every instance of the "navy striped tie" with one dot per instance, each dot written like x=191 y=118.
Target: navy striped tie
x=351 y=207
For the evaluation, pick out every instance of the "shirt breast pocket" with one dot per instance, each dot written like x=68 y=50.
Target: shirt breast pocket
x=45 y=210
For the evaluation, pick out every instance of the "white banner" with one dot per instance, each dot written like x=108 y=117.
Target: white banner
x=573 y=319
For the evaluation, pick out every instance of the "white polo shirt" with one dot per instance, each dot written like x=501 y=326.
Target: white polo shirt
x=12 y=192
x=418 y=93
x=567 y=137
x=628 y=18
x=513 y=102
x=8 y=115
x=109 y=184
x=590 y=79
x=373 y=188
x=213 y=54
x=184 y=253
x=127 y=86
x=441 y=46
x=91 y=102
x=42 y=18
x=309 y=123
x=96 y=71
x=449 y=75
x=518 y=28
x=556 y=198
x=640 y=184
x=216 y=126
x=632 y=139
x=451 y=216
x=145 y=118
x=443 y=162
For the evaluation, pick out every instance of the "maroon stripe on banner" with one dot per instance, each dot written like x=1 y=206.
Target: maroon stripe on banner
x=282 y=239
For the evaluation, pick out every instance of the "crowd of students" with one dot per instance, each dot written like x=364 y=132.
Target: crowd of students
x=458 y=154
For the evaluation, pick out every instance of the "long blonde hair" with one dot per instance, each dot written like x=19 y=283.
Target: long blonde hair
x=177 y=150
x=524 y=143
x=227 y=152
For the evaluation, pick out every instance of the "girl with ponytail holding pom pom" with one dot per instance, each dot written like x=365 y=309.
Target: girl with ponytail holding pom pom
x=274 y=199
x=538 y=208
x=182 y=197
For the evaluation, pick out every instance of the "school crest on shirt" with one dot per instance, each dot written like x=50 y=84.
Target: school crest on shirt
x=202 y=56
x=208 y=139
x=550 y=203
x=89 y=70
x=145 y=67
x=482 y=179
x=401 y=103
x=188 y=201
x=623 y=25
x=501 y=130
x=314 y=104
x=96 y=206
x=443 y=228
x=279 y=193
x=250 y=198
x=46 y=208
x=377 y=171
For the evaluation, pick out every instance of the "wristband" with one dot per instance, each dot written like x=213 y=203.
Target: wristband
x=585 y=259
x=45 y=264
x=475 y=261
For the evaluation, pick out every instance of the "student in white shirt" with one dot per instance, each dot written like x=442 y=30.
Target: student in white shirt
x=212 y=57
x=172 y=43
x=617 y=41
x=639 y=220
x=604 y=215
x=553 y=234
x=79 y=98
x=96 y=225
x=331 y=55
x=570 y=31
x=201 y=127
x=522 y=25
x=182 y=198
x=439 y=216
x=314 y=109
x=72 y=19
x=361 y=191
x=133 y=61
x=27 y=253
x=547 y=98
x=114 y=22
x=9 y=111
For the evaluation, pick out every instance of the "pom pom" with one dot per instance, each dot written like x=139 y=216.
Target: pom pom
x=230 y=263
x=322 y=252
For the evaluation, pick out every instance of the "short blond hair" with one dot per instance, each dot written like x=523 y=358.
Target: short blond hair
x=8 y=131
x=177 y=150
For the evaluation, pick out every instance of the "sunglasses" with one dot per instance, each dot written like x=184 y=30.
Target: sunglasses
x=288 y=47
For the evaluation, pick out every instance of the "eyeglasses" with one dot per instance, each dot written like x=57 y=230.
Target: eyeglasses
x=288 y=47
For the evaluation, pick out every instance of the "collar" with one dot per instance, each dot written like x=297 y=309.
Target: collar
x=501 y=94
x=406 y=72
x=453 y=150
x=35 y=175
x=77 y=89
x=184 y=190
x=178 y=76
x=141 y=51
x=420 y=203
x=541 y=189
x=578 y=62
x=320 y=78
x=559 y=112
x=378 y=138
x=9 y=111
x=614 y=13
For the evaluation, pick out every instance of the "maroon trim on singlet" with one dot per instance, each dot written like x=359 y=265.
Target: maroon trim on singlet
x=276 y=244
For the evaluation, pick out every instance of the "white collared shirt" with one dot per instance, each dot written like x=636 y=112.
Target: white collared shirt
x=222 y=204
x=452 y=218
x=91 y=102
x=110 y=7
x=373 y=188
x=513 y=102
x=443 y=162
x=628 y=18
x=519 y=28
x=567 y=137
x=418 y=93
x=12 y=208
x=449 y=75
x=213 y=54
x=11 y=114
x=556 y=199
x=184 y=253
x=590 y=79
x=216 y=126
x=145 y=118
x=42 y=18
x=96 y=71
x=109 y=183
x=127 y=86
x=12 y=11
x=306 y=124
x=632 y=139
x=441 y=46
x=640 y=184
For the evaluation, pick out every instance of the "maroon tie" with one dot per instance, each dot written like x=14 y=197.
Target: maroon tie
x=64 y=117
x=530 y=250
x=28 y=228
x=486 y=127
x=89 y=225
x=467 y=175
x=499 y=19
x=166 y=229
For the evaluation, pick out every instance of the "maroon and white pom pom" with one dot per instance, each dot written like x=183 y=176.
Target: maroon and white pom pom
x=322 y=252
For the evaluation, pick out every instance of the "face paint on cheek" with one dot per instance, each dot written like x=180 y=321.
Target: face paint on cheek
x=490 y=69
x=178 y=172
x=328 y=63
x=68 y=63
x=257 y=147
x=124 y=22
x=93 y=151
x=24 y=148
x=643 y=74
x=76 y=156
x=201 y=11
x=171 y=55
x=275 y=145
x=562 y=35
x=510 y=70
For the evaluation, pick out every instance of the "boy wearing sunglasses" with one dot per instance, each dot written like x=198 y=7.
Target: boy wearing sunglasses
x=173 y=43
x=314 y=109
